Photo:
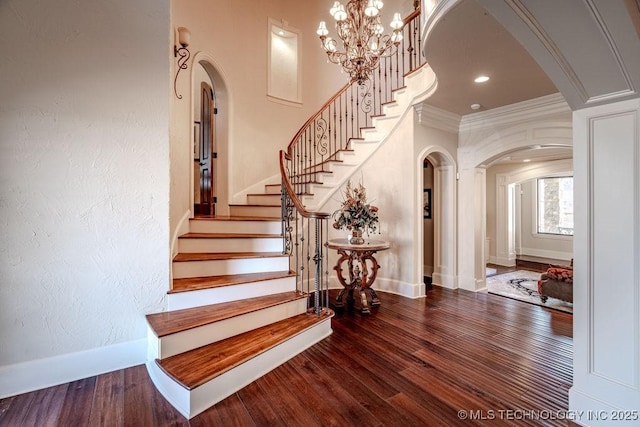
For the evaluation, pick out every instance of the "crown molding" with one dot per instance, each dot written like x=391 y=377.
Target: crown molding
x=437 y=118
x=525 y=111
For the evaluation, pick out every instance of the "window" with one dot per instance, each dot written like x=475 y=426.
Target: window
x=555 y=206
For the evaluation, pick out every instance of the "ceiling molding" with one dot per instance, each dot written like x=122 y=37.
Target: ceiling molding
x=545 y=106
x=438 y=118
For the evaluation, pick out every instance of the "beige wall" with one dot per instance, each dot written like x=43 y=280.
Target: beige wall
x=257 y=127
x=84 y=199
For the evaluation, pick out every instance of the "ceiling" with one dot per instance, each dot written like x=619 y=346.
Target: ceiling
x=590 y=61
x=469 y=42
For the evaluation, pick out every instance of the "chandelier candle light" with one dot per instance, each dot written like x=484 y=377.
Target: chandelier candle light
x=359 y=26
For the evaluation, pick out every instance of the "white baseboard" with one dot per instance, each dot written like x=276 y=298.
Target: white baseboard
x=392 y=286
x=445 y=281
x=542 y=253
x=587 y=410
x=505 y=262
x=41 y=373
x=409 y=290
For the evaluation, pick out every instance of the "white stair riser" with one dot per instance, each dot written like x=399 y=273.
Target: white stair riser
x=197 y=337
x=191 y=245
x=259 y=211
x=229 y=266
x=232 y=226
x=263 y=199
x=180 y=300
x=272 y=189
x=191 y=403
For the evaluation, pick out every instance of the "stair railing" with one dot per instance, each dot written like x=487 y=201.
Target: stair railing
x=298 y=224
x=319 y=140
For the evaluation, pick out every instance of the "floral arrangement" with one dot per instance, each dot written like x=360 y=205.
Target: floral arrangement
x=355 y=212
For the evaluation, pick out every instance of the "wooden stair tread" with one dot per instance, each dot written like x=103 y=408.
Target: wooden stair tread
x=197 y=283
x=171 y=322
x=196 y=367
x=228 y=236
x=213 y=256
x=236 y=218
x=256 y=205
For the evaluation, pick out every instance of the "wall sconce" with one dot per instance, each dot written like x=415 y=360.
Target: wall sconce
x=184 y=37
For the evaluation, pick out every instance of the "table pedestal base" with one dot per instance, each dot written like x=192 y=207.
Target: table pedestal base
x=360 y=279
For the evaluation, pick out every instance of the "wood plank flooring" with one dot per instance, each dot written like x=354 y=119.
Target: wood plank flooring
x=411 y=362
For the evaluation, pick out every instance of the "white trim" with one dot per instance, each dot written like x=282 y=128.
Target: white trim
x=525 y=111
x=543 y=253
x=392 y=286
x=406 y=289
x=181 y=228
x=505 y=262
x=38 y=374
x=444 y=280
x=191 y=403
x=437 y=118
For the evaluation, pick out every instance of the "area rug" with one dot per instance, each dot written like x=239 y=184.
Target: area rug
x=523 y=286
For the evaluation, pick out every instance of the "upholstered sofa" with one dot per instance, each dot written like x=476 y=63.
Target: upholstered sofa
x=557 y=282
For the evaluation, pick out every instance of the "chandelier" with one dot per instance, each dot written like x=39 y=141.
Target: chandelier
x=359 y=26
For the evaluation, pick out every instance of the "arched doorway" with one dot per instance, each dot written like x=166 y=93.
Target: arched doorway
x=210 y=112
x=437 y=250
x=484 y=150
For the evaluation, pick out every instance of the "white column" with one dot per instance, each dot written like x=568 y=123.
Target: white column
x=471 y=228
x=607 y=263
x=505 y=226
x=444 y=205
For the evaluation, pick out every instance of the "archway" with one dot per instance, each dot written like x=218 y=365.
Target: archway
x=482 y=150
x=205 y=71
x=443 y=215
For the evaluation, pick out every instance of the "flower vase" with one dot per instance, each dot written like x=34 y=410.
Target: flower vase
x=356 y=237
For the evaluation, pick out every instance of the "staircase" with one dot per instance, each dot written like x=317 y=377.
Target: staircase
x=235 y=312
x=318 y=183
x=236 y=309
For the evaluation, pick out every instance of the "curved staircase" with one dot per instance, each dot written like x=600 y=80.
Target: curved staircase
x=234 y=311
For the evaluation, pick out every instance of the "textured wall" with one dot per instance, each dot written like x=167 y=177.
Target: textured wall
x=84 y=173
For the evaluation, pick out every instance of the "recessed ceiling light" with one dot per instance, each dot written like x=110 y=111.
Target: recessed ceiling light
x=526 y=160
x=475 y=106
x=481 y=79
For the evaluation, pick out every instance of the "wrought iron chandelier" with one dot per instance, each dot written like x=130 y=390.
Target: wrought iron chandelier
x=359 y=26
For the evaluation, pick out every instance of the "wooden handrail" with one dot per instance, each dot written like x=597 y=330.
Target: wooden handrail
x=292 y=194
x=327 y=132
x=341 y=118
x=316 y=115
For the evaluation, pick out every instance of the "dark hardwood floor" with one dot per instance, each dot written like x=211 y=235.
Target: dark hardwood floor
x=422 y=362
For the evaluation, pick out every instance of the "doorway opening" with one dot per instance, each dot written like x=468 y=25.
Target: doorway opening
x=205 y=152
x=437 y=178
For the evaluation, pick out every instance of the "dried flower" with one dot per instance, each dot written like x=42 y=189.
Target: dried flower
x=355 y=212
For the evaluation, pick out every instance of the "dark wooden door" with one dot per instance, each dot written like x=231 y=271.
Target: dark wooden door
x=207 y=137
